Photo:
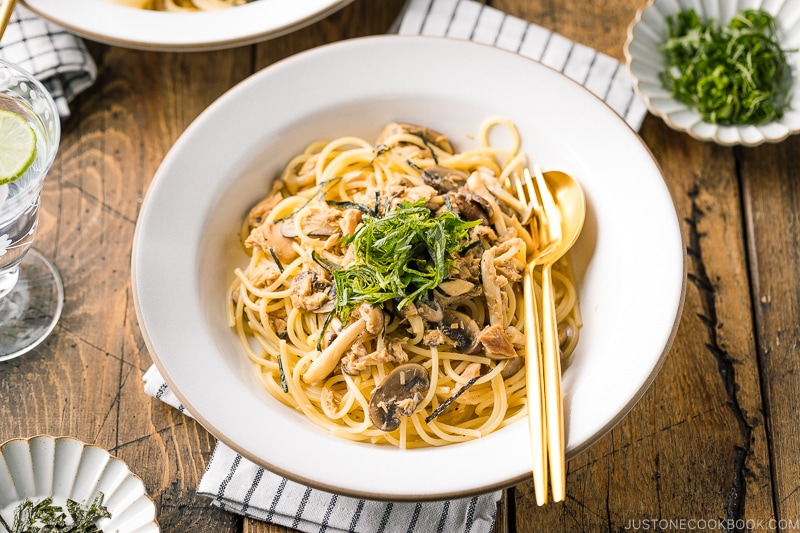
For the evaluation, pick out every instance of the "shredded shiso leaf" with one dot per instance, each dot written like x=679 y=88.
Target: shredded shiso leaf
x=732 y=75
x=399 y=257
x=44 y=517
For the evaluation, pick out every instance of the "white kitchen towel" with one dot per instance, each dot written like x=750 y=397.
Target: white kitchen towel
x=54 y=56
x=466 y=19
x=239 y=485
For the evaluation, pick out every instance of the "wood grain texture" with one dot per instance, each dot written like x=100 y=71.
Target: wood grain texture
x=772 y=203
x=714 y=438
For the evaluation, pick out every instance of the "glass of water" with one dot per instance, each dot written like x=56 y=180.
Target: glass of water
x=31 y=293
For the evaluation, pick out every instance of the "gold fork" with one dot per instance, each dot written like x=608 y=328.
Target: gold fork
x=526 y=192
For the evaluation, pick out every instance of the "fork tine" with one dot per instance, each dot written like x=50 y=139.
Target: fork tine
x=538 y=216
x=551 y=212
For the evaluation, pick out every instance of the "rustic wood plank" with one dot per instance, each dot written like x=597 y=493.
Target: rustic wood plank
x=600 y=25
x=772 y=200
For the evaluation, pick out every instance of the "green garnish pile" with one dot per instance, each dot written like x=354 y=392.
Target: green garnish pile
x=44 y=517
x=399 y=257
x=732 y=75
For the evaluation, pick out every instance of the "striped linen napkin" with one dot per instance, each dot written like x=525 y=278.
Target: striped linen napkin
x=54 y=56
x=466 y=19
x=238 y=485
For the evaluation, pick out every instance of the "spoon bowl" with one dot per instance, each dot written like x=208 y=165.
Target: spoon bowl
x=571 y=203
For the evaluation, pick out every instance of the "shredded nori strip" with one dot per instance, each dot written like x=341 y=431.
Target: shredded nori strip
x=350 y=205
x=436 y=412
x=323 y=189
x=329 y=266
x=282 y=374
x=275 y=258
x=425 y=142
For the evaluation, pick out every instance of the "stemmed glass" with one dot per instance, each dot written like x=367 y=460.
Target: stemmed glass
x=31 y=293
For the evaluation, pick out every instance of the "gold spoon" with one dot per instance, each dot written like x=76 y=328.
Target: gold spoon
x=5 y=15
x=564 y=205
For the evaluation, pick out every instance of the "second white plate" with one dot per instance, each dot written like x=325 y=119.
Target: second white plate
x=106 y=22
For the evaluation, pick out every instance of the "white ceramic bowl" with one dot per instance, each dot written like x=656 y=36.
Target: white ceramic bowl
x=629 y=260
x=66 y=468
x=118 y=25
x=644 y=60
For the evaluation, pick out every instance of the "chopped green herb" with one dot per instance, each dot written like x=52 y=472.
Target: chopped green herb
x=732 y=75
x=44 y=517
x=399 y=257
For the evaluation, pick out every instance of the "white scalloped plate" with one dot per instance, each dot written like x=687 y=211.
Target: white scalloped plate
x=64 y=467
x=648 y=32
x=118 y=25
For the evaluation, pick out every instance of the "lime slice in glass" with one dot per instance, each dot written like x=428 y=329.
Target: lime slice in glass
x=17 y=146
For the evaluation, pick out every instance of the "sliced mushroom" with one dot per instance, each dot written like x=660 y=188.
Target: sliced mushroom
x=454 y=291
x=427 y=310
x=513 y=365
x=471 y=206
x=461 y=330
x=399 y=394
x=288 y=229
x=444 y=179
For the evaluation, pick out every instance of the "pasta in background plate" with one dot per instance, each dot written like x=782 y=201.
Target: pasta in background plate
x=383 y=296
x=180 y=5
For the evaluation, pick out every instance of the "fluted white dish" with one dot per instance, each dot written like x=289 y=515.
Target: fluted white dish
x=130 y=27
x=645 y=61
x=66 y=468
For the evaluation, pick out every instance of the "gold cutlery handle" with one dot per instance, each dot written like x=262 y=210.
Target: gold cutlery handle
x=551 y=366
x=533 y=371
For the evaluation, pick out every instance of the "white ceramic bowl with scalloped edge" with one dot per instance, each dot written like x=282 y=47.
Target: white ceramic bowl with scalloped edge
x=66 y=468
x=644 y=60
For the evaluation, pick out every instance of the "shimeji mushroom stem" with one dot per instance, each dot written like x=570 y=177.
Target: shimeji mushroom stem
x=327 y=360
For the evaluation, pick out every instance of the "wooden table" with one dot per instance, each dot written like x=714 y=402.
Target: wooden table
x=714 y=438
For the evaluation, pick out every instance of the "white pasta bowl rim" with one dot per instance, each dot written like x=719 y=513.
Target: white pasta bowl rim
x=644 y=61
x=129 y=27
x=183 y=258
x=29 y=465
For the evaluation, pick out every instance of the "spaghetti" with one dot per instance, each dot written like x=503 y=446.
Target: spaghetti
x=383 y=296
